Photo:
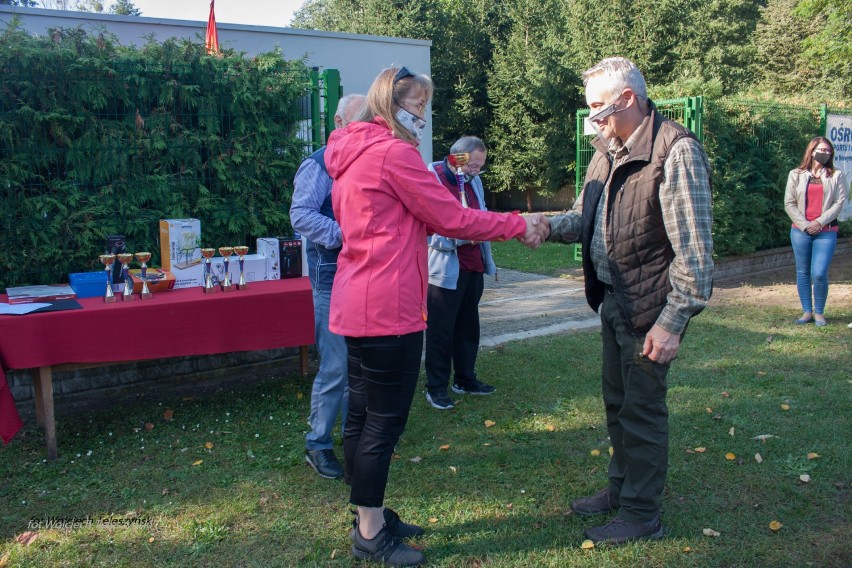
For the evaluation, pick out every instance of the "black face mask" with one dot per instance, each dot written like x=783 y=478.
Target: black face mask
x=822 y=157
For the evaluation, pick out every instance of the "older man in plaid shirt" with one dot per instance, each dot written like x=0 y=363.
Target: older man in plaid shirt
x=644 y=218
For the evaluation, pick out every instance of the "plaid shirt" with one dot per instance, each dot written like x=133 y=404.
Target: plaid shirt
x=685 y=197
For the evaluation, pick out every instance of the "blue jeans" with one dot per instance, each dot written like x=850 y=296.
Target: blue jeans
x=330 y=393
x=813 y=257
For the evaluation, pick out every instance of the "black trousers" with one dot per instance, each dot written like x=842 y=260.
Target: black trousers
x=637 y=418
x=453 y=332
x=383 y=374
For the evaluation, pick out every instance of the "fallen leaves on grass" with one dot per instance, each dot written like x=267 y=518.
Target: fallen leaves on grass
x=758 y=458
x=150 y=540
x=700 y=450
x=489 y=423
x=725 y=394
x=775 y=526
x=453 y=469
x=208 y=445
x=805 y=478
x=444 y=448
x=433 y=519
x=595 y=453
x=785 y=407
x=813 y=455
x=730 y=456
x=587 y=544
x=197 y=462
x=550 y=427
x=731 y=431
x=709 y=410
x=710 y=532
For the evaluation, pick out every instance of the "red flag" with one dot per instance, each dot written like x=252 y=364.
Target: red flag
x=211 y=40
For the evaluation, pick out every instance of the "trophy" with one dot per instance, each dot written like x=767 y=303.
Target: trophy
x=458 y=161
x=208 y=286
x=125 y=258
x=226 y=253
x=144 y=257
x=241 y=251
x=107 y=260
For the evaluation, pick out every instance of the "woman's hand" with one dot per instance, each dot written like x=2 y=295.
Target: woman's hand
x=813 y=228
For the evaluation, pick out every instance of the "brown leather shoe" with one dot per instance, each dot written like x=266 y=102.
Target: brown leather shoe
x=598 y=504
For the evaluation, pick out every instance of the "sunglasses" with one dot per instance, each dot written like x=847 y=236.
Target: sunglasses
x=402 y=74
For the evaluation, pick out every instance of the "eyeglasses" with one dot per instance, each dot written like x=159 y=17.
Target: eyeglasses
x=414 y=104
x=402 y=74
x=606 y=111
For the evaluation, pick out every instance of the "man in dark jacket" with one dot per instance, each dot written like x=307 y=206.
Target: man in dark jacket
x=644 y=219
x=311 y=215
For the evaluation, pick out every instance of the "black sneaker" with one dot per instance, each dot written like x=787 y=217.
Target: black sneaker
x=324 y=463
x=400 y=528
x=598 y=504
x=619 y=531
x=476 y=387
x=386 y=548
x=440 y=400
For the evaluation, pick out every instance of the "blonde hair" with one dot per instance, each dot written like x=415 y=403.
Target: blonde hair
x=384 y=96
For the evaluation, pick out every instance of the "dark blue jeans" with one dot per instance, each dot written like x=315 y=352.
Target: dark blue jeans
x=813 y=256
x=383 y=374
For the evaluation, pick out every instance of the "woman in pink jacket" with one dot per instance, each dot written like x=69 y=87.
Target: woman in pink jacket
x=386 y=202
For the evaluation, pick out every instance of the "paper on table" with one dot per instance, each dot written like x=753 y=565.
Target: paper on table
x=20 y=309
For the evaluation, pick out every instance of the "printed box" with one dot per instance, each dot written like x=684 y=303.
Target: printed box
x=180 y=243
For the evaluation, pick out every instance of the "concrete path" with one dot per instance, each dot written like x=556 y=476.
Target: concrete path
x=519 y=305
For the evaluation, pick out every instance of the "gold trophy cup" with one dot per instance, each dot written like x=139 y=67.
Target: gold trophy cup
x=125 y=258
x=226 y=253
x=208 y=286
x=144 y=257
x=107 y=260
x=241 y=251
x=458 y=161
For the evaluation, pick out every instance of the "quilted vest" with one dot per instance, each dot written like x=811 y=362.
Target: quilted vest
x=638 y=247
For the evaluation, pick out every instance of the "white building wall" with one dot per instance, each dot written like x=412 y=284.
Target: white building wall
x=359 y=58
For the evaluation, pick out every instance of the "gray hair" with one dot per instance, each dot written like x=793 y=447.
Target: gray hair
x=347 y=100
x=467 y=144
x=621 y=73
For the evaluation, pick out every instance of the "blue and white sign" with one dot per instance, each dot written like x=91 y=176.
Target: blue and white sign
x=838 y=129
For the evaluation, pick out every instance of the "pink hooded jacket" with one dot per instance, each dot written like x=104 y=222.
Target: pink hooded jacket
x=386 y=201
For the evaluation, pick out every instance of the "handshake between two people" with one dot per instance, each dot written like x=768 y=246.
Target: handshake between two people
x=538 y=229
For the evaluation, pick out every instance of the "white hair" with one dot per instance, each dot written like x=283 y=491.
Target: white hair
x=347 y=100
x=620 y=73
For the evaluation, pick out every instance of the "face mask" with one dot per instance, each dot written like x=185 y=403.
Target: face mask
x=413 y=123
x=822 y=157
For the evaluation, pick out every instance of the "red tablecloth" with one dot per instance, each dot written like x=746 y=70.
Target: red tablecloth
x=268 y=315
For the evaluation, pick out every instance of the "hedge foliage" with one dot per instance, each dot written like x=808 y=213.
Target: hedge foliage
x=99 y=139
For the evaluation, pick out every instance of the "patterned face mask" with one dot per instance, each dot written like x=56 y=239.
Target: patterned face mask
x=413 y=123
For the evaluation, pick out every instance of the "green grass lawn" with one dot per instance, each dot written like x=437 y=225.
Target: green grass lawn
x=224 y=482
x=548 y=259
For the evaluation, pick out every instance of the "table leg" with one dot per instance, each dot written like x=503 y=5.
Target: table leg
x=303 y=360
x=43 y=387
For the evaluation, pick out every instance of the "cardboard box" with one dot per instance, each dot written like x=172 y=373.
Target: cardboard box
x=180 y=243
x=268 y=247
x=159 y=280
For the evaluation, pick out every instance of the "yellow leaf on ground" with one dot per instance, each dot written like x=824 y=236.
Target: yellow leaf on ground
x=595 y=452
x=785 y=407
x=700 y=450
x=453 y=468
x=710 y=532
x=687 y=549
x=730 y=456
x=709 y=410
x=550 y=427
x=151 y=539
x=197 y=462
x=489 y=423
x=445 y=447
x=813 y=455
x=4 y=561
x=587 y=544
x=299 y=396
x=611 y=451
x=758 y=458
x=208 y=445
x=433 y=519
x=775 y=526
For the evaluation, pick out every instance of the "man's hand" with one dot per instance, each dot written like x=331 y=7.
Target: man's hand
x=538 y=229
x=660 y=345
